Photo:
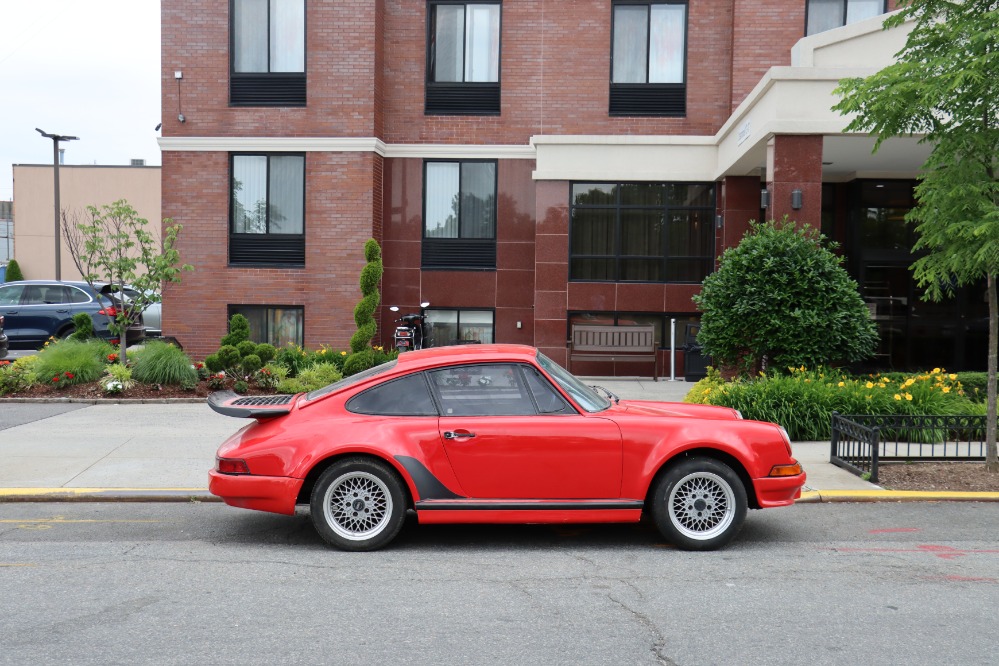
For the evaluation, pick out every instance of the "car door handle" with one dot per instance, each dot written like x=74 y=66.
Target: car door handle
x=448 y=434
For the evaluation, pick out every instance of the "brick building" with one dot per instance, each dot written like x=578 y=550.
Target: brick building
x=525 y=164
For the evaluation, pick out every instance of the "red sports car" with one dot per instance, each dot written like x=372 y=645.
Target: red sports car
x=497 y=434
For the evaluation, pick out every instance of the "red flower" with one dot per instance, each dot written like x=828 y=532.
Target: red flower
x=112 y=357
x=69 y=375
x=55 y=379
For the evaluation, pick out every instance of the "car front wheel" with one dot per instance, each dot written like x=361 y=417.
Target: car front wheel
x=700 y=504
x=358 y=504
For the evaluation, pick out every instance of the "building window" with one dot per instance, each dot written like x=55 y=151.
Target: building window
x=641 y=232
x=648 y=59
x=279 y=325
x=267 y=210
x=267 y=46
x=463 y=55
x=459 y=327
x=459 y=215
x=825 y=15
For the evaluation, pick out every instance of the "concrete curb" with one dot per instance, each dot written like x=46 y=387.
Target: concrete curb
x=10 y=495
x=824 y=496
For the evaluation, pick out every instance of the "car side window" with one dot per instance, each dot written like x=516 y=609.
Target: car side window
x=35 y=294
x=548 y=399
x=406 y=396
x=77 y=295
x=11 y=294
x=482 y=390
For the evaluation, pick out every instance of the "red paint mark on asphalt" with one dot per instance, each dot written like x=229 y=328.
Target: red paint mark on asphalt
x=895 y=530
x=943 y=552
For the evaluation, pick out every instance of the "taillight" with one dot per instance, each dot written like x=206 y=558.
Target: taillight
x=231 y=466
x=110 y=311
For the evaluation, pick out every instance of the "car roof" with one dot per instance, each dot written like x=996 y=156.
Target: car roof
x=475 y=353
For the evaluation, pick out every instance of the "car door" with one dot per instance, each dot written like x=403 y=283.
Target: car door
x=10 y=308
x=509 y=435
x=45 y=310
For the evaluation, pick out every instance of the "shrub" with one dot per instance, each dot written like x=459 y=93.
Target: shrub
x=14 y=271
x=266 y=352
x=72 y=362
x=84 y=325
x=294 y=358
x=804 y=400
x=163 y=363
x=311 y=379
x=246 y=348
x=239 y=330
x=976 y=385
x=14 y=378
x=250 y=364
x=781 y=299
x=117 y=378
x=364 y=314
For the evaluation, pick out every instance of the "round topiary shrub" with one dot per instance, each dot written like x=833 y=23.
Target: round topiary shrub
x=781 y=299
x=239 y=330
x=266 y=352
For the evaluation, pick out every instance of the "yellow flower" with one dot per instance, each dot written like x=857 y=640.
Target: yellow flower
x=946 y=389
x=343 y=353
x=841 y=384
x=898 y=397
x=802 y=368
x=870 y=384
x=909 y=382
x=323 y=351
x=707 y=391
x=908 y=396
x=935 y=371
x=952 y=377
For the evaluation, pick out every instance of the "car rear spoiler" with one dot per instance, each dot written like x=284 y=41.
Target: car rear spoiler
x=250 y=406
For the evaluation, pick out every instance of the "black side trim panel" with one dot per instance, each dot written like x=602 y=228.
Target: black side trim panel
x=459 y=253
x=648 y=99
x=267 y=89
x=531 y=505
x=462 y=99
x=429 y=487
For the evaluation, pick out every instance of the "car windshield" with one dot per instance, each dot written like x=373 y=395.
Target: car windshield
x=587 y=398
x=348 y=381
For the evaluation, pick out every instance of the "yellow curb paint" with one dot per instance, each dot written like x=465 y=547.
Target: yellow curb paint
x=16 y=564
x=905 y=495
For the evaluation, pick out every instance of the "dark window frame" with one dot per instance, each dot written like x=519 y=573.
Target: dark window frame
x=234 y=308
x=649 y=99
x=617 y=256
x=461 y=98
x=460 y=253
x=267 y=89
x=441 y=343
x=844 y=7
x=250 y=249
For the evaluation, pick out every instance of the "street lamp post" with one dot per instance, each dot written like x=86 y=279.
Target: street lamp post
x=56 y=138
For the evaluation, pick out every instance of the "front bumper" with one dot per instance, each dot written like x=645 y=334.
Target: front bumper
x=276 y=494
x=773 y=491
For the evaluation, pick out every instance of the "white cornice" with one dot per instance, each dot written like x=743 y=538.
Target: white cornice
x=300 y=144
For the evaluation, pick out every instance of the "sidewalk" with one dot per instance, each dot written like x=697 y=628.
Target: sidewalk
x=163 y=451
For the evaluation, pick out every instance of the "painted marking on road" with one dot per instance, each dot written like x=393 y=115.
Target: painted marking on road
x=896 y=530
x=17 y=564
x=943 y=552
x=46 y=523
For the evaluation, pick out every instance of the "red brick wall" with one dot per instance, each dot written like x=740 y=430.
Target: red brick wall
x=340 y=215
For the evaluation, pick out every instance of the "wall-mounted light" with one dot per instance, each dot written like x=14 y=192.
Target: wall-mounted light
x=796 y=199
x=764 y=198
x=719 y=221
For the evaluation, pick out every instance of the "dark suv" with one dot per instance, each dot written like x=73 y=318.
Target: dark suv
x=35 y=310
x=3 y=340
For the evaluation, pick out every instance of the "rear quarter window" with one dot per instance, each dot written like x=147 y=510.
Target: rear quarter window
x=406 y=396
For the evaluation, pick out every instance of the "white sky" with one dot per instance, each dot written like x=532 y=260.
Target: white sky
x=86 y=68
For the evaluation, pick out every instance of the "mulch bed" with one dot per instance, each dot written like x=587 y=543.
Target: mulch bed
x=952 y=476
x=138 y=391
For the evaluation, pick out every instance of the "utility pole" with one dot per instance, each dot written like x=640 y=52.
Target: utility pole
x=56 y=138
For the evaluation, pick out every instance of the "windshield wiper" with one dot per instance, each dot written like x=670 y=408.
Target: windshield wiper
x=610 y=394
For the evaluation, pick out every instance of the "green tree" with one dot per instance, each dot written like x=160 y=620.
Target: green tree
x=117 y=249
x=362 y=357
x=781 y=299
x=14 y=271
x=944 y=85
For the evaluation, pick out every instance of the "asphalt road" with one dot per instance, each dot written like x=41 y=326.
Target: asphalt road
x=209 y=584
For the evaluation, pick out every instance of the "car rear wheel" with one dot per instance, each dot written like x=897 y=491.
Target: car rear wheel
x=358 y=504
x=700 y=504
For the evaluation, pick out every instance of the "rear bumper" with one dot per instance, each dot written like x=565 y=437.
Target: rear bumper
x=773 y=491
x=275 y=494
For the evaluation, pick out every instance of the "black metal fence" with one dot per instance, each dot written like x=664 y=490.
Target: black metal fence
x=861 y=441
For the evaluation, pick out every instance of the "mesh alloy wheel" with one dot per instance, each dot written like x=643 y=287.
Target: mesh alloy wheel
x=702 y=505
x=699 y=503
x=357 y=506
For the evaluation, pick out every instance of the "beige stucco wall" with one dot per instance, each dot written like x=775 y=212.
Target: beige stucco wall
x=79 y=186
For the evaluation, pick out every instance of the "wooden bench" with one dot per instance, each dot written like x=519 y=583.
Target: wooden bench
x=614 y=343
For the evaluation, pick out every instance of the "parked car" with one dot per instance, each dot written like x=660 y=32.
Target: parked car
x=35 y=310
x=497 y=434
x=3 y=340
x=152 y=315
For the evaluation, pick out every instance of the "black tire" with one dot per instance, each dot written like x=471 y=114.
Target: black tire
x=66 y=332
x=699 y=504
x=358 y=504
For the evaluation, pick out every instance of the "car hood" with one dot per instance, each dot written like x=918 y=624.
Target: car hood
x=651 y=408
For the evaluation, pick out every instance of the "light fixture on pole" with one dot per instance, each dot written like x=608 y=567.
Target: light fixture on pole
x=56 y=138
